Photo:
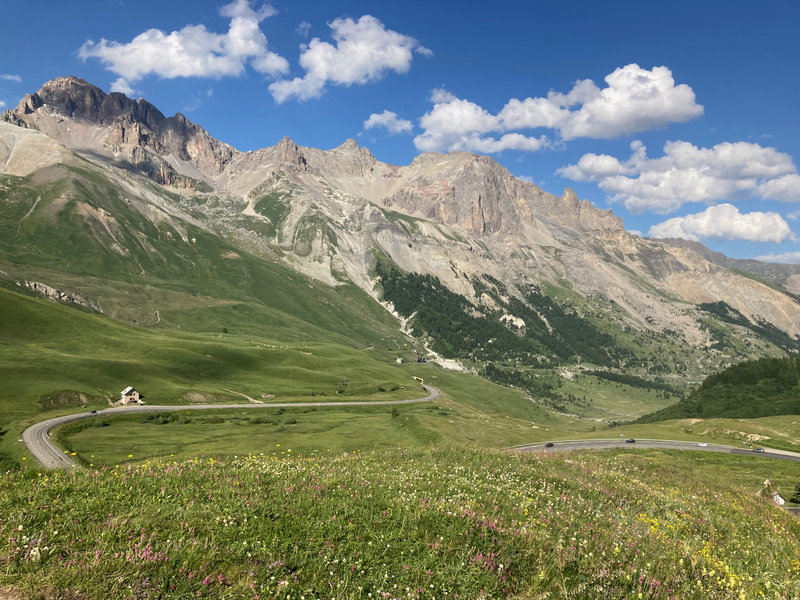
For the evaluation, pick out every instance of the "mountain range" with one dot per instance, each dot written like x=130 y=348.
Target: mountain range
x=107 y=203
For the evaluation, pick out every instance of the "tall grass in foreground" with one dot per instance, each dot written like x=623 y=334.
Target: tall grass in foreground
x=397 y=525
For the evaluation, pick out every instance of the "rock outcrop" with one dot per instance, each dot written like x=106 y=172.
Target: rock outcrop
x=171 y=150
x=52 y=293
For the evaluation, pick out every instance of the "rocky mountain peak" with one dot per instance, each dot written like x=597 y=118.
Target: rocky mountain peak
x=348 y=144
x=350 y=148
x=78 y=99
x=287 y=145
x=348 y=160
x=83 y=117
x=588 y=215
x=68 y=83
x=286 y=151
x=72 y=97
x=570 y=197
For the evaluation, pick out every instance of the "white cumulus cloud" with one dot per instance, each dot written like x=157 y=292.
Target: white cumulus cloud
x=598 y=167
x=389 y=121
x=192 y=51
x=509 y=141
x=456 y=124
x=10 y=77
x=634 y=99
x=789 y=258
x=785 y=188
x=686 y=173
x=363 y=51
x=725 y=222
x=453 y=124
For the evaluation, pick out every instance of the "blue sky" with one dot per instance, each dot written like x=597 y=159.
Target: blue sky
x=682 y=117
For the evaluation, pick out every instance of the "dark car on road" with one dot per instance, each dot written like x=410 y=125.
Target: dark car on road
x=549 y=445
x=630 y=441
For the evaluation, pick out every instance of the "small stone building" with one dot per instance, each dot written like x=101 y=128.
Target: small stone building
x=130 y=396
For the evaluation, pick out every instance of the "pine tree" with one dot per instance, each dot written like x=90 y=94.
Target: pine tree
x=796 y=497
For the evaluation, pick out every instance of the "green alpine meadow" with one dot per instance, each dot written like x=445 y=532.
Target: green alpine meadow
x=422 y=523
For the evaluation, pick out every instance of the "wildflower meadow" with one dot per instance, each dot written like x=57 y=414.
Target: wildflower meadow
x=434 y=524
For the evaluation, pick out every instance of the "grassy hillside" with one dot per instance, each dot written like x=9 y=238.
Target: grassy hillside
x=407 y=524
x=57 y=358
x=77 y=230
x=748 y=390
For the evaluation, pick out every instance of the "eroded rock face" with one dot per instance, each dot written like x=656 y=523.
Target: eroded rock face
x=460 y=216
x=457 y=216
x=83 y=117
x=52 y=293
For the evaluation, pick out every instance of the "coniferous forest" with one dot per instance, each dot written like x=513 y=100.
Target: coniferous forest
x=748 y=390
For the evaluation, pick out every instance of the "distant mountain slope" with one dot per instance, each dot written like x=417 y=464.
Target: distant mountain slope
x=115 y=243
x=206 y=234
x=784 y=275
x=761 y=388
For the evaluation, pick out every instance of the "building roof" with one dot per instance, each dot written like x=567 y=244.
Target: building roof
x=128 y=390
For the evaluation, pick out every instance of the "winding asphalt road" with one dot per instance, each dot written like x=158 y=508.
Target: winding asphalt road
x=567 y=445
x=45 y=451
